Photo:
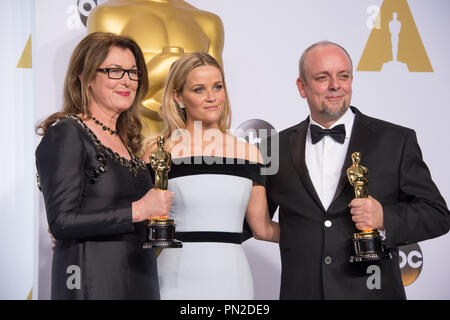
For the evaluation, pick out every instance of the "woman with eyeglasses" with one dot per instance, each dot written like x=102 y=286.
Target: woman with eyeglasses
x=97 y=192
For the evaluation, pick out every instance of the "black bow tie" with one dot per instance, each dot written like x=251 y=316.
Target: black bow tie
x=337 y=133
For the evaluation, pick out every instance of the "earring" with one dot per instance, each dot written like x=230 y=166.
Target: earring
x=181 y=105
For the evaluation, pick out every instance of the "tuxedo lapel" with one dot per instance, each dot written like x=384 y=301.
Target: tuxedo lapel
x=359 y=142
x=297 y=142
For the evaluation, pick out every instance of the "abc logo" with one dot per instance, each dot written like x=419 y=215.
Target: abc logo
x=411 y=262
x=84 y=8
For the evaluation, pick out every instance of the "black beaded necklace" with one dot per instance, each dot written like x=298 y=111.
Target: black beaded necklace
x=113 y=132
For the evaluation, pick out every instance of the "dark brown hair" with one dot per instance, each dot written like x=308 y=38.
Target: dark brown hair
x=86 y=58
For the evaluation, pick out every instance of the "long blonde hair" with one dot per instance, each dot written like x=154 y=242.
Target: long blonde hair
x=174 y=117
x=86 y=58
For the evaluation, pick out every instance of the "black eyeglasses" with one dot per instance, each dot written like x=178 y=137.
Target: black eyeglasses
x=118 y=73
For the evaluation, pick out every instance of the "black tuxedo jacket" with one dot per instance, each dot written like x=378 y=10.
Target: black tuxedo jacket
x=314 y=256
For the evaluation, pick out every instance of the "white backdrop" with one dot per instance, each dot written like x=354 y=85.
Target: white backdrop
x=263 y=42
x=17 y=160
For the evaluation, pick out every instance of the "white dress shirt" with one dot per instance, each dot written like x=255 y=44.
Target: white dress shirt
x=325 y=159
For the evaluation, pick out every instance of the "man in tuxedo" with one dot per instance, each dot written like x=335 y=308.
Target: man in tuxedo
x=318 y=213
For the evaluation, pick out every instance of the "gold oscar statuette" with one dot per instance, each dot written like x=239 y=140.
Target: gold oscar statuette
x=368 y=244
x=160 y=231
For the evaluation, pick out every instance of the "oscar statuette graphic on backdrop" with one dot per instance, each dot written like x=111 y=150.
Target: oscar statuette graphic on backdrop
x=394 y=43
x=163 y=36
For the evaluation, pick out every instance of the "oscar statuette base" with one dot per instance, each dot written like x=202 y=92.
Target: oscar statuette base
x=369 y=246
x=160 y=233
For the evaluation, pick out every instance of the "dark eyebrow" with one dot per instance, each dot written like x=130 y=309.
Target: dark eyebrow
x=119 y=66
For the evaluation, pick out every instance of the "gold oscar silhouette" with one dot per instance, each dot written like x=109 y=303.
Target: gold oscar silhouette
x=396 y=45
x=368 y=244
x=165 y=30
x=161 y=230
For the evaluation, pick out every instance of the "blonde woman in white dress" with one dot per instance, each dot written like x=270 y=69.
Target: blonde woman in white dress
x=217 y=183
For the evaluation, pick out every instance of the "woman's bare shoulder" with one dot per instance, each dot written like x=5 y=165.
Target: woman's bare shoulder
x=247 y=151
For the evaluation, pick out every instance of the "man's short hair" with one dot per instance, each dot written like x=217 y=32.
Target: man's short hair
x=301 y=64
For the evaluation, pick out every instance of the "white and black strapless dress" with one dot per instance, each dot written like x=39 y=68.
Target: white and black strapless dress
x=211 y=195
